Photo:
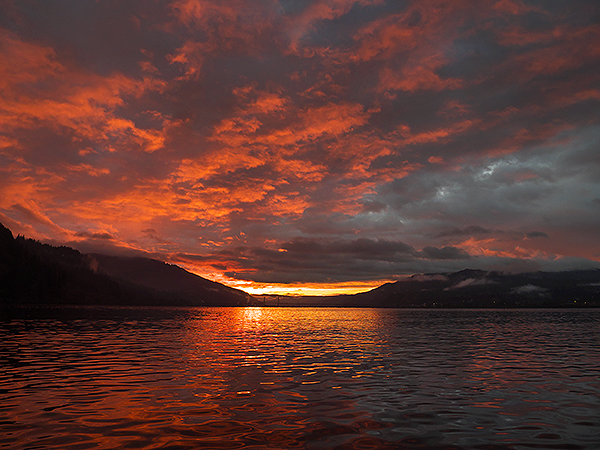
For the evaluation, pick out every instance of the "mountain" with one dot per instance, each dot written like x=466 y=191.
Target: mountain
x=168 y=278
x=481 y=289
x=32 y=272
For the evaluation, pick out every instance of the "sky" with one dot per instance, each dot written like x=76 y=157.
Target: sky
x=307 y=147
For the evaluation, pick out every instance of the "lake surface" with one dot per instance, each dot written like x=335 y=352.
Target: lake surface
x=288 y=378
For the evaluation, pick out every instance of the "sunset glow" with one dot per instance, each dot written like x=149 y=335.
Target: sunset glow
x=305 y=148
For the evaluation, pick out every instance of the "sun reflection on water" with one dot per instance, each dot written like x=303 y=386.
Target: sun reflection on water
x=250 y=317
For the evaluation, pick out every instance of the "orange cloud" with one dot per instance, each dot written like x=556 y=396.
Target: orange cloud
x=506 y=248
x=564 y=50
x=307 y=171
x=409 y=43
x=434 y=135
x=332 y=120
x=32 y=213
x=383 y=38
x=236 y=26
x=513 y=7
x=23 y=63
x=315 y=12
x=420 y=76
x=191 y=55
x=306 y=125
x=87 y=109
x=88 y=169
x=37 y=89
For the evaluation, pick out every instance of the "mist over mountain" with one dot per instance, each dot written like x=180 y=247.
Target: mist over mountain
x=36 y=273
x=471 y=288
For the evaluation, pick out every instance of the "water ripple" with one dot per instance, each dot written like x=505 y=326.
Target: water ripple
x=108 y=378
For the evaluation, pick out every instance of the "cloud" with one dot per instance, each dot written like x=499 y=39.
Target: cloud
x=237 y=27
x=427 y=277
x=373 y=206
x=468 y=231
x=529 y=289
x=471 y=282
x=421 y=76
x=445 y=253
x=24 y=63
x=537 y=234
x=41 y=92
x=31 y=214
x=305 y=22
x=320 y=141
x=95 y=235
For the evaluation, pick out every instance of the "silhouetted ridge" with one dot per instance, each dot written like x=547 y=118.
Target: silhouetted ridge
x=169 y=278
x=36 y=273
x=471 y=288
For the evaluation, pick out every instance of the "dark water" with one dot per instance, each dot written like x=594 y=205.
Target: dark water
x=112 y=378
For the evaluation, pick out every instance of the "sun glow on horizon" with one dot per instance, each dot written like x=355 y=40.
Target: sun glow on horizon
x=290 y=289
x=310 y=289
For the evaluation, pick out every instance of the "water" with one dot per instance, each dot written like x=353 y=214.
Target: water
x=287 y=378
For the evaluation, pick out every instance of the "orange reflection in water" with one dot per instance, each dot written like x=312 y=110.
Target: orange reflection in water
x=280 y=337
x=249 y=317
x=286 y=366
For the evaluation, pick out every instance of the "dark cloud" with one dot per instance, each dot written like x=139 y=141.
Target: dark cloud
x=537 y=234
x=362 y=248
x=373 y=207
x=467 y=231
x=95 y=235
x=444 y=253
